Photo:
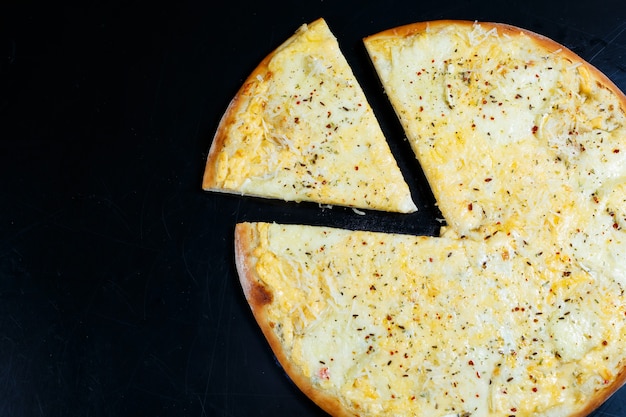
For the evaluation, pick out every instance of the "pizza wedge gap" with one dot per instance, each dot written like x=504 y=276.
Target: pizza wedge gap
x=301 y=129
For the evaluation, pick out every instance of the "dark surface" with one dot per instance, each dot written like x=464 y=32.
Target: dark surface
x=118 y=295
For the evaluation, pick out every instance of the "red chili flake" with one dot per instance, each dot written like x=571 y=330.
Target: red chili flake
x=488 y=179
x=470 y=363
x=615 y=150
x=534 y=129
x=297 y=120
x=604 y=343
x=534 y=389
x=356 y=167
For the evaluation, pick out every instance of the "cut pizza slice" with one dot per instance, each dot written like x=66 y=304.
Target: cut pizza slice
x=301 y=129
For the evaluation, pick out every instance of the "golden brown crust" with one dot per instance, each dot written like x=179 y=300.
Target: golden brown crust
x=258 y=297
x=209 y=179
x=602 y=396
x=241 y=99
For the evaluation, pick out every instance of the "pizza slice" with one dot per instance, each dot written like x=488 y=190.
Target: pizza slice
x=300 y=129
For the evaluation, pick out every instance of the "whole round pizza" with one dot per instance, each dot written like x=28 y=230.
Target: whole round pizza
x=517 y=308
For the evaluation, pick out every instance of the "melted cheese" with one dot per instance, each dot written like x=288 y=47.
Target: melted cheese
x=303 y=131
x=518 y=307
x=407 y=325
x=517 y=139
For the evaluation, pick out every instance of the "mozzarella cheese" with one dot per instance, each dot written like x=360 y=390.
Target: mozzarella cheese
x=518 y=307
x=301 y=129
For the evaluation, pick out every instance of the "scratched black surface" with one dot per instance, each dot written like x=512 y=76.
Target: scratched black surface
x=118 y=295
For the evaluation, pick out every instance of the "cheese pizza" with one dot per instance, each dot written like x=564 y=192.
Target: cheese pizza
x=518 y=307
x=301 y=129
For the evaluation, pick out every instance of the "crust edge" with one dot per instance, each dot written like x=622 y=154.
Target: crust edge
x=209 y=180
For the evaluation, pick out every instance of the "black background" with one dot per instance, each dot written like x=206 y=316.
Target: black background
x=118 y=295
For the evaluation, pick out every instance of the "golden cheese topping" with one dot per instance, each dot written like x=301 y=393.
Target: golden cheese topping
x=301 y=129
x=518 y=308
x=437 y=326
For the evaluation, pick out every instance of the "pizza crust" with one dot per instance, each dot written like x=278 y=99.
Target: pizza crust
x=236 y=106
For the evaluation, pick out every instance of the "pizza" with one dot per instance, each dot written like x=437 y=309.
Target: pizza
x=377 y=324
x=301 y=129
x=517 y=308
